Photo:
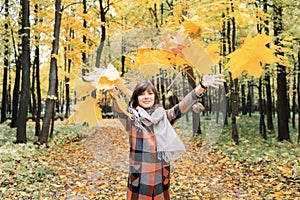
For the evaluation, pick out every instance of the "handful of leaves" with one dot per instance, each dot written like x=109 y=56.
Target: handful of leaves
x=87 y=111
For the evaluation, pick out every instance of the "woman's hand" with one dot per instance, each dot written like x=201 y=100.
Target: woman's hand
x=213 y=80
x=210 y=81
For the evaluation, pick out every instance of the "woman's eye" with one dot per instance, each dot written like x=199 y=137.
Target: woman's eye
x=150 y=92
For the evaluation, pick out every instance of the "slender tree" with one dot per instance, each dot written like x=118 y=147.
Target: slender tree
x=267 y=80
x=243 y=98
x=250 y=98
x=234 y=94
x=35 y=86
x=38 y=97
x=298 y=89
x=283 y=104
x=195 y=116
x=84 y=26
x=223 y=54
x=6 y=66
x=24 y=97
x=52 y=95
x=16 y=89
x=154 y=14
x=294 y=103
x=67 y=80
x=103 y=11
x=262 y=125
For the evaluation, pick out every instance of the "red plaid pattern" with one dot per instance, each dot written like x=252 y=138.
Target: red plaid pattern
x=149 y=177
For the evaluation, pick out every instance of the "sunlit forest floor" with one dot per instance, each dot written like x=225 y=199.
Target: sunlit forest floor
x=83 y=163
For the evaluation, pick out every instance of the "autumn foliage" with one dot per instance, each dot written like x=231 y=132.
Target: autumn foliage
x=255 y=44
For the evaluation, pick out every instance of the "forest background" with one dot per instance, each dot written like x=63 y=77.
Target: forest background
x=48 y=47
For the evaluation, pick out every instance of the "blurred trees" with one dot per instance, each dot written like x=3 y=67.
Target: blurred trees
x=47 y=57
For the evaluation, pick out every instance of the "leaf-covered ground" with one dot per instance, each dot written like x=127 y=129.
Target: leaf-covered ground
x=92 y=164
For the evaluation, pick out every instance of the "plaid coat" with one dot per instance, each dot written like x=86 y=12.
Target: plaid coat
x=149 y=177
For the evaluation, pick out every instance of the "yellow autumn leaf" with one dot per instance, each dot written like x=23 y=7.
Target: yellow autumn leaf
x=83 y=88
x=213 y=51
x=121 y=103
x=174 y=43
x=122 y=86
x=191 y=28
x=111 y=73
x=87 y=111
x=105 y=83
x=104 y=79
x=196 y=54
x=72 y=118
x=250 y=55
x=149 y=61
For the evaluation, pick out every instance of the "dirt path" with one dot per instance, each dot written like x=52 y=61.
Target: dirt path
x=96 y=168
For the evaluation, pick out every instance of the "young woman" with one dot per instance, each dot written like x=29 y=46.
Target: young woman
x=153 y=139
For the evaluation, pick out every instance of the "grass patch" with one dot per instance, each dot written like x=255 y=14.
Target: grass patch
x=277 y=158
x=23 y=169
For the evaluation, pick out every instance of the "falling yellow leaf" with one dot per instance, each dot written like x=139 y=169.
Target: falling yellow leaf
x=213 y=51
x=121 y=103
x=192 y=28
x=148 y=61
x=174 y=43
x=250 y=55
x=122 y=86
x=176 y=50
x=104 y=79
x=87 y=111
x=196 y=54
x=83 y=88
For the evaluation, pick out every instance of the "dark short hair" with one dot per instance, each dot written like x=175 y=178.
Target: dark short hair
x=139 y=89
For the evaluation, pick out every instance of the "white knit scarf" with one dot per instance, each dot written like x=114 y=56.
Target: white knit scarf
x=167 y=140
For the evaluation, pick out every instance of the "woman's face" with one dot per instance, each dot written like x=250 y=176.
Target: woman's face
x=146 y=99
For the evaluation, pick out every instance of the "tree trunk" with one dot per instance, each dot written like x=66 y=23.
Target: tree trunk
x=67 y=86
x=5 y=73
x=9 y=100
x=243 y=97
x=67 y=80
x=221 y=102
x=24 y=97
x=184 y=92
x=294 y=103
x=195 y=116
x=249 y=99
x=103 y=33
x=162 y=87
x=269 y=104
x=283 y=104
x=234 y=95
x=298 y=89
x=51 y=98
x=234 y=85
x=223 y=53
x=33 y=101
x=267 y=79
x=35 y=80
x=262 y=125
x=16 y=90
x=38 y=92
x=84 y=70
